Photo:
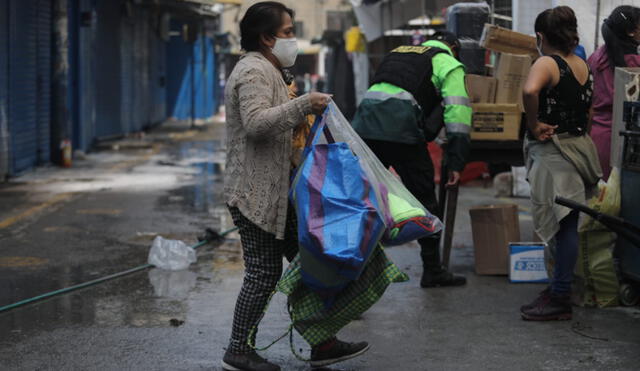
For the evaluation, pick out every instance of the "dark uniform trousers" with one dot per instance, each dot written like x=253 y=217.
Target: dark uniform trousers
x=414 y=166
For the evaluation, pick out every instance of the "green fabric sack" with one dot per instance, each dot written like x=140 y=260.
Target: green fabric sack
x=596 y=278
x=597 y=282
x=314 y=321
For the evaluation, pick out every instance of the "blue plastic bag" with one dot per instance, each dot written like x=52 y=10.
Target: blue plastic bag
x=347 y=202
x=339 y=222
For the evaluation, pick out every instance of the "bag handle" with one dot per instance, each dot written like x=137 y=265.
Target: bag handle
x=314 y=134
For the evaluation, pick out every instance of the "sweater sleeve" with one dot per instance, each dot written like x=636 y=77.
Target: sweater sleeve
x=258 y=116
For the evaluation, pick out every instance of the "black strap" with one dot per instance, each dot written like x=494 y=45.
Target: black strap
x=562 y=64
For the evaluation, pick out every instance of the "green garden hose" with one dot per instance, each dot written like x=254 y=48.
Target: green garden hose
x=210 y=237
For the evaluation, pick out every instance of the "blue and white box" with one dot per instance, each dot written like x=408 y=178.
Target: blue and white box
x=526 y=263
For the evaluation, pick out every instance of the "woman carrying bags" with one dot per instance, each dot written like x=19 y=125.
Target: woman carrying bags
x=261 y=119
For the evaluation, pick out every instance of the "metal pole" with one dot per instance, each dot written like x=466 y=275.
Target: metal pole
x=60 y=120
x=193 y=85
x=597 y=41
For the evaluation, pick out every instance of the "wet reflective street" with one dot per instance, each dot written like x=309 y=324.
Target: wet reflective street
x=65 y=227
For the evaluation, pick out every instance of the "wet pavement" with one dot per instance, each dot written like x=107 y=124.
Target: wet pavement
x=61 y=227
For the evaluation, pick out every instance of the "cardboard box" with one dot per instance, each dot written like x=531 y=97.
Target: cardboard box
x=481 y=89
x=526 y=263
x=506 y=41
x=496 y=121
x=512 y=73
x=493 y=228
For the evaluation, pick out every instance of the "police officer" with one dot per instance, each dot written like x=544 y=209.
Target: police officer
x=395 y=119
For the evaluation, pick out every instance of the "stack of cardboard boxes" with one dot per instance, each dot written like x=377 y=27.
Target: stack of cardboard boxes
x=497 y=100
x=497 y=116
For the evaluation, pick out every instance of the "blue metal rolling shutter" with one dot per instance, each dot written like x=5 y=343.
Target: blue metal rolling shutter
x=158 y=80
x=44 y=60
x=23 y=85
x=4 y=88
x=73 y=93
x=126 y=74
x=107 y=76
x=179 y=75
x=210 y=65
x=200 y=77
x=85 y=98
x=204 y=77
x=140 y=71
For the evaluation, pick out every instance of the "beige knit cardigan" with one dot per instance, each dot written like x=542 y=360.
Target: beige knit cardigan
x=260 y=121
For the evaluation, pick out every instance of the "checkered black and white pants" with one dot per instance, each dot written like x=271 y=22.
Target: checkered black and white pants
x=263 y=267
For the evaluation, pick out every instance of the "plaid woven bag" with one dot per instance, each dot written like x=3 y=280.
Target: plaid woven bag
x=316 y=322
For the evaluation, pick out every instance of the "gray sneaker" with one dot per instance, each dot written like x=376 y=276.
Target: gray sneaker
x=247 y=362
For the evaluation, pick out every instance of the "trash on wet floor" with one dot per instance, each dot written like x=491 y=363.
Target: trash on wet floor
x=176 y=322
x=173 y=255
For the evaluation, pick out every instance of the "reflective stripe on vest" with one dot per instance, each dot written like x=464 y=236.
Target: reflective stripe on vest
x=380 y=95
x=459 y=101
x=456 y=127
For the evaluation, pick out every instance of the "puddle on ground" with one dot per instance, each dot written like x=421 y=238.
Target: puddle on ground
x=148 y=298
x=203 y=191
x=21 y=262
x=172 y=284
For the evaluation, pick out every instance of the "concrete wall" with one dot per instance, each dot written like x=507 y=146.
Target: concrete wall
x=586 y=13
x=589 y=25
x=311 y=12
x=526 y=11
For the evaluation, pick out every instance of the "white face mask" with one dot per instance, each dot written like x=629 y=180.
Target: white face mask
x=286 y=50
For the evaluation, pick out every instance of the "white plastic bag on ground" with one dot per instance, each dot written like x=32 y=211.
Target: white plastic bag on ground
x=171 y=254
x=521 y=187
x=503 y=184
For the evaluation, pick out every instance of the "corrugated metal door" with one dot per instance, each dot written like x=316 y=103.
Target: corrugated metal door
x=23 y=86
x=145 y=76
x=141 y=88
x=200 y=77
x=179 y=74
x=4 y=88
x=158 y=80
x=205 y=77
x=85 y=93
x=126 y=74
x=210 y=66
x=44 y=66
x=108 y=100
x=74 y=47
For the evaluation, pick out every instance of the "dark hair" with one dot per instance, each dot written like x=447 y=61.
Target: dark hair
x=559 y=27
x=615 y=32
x=262 y=18
x=447 y=37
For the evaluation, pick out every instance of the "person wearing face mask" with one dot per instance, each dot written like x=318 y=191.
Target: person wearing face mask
x=560 y=156
x=621 y=33
x=412 y=85
x=261 y=120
